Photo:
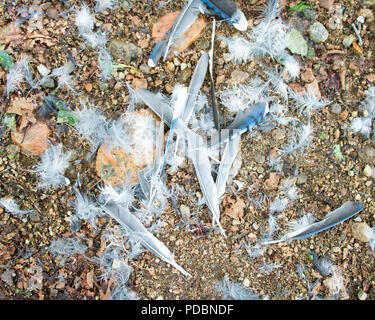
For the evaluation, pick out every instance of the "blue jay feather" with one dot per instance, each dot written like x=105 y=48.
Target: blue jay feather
x=223 y=9
x=244 y=121
x=346 y=211
x=228 y=11
x=156 y=53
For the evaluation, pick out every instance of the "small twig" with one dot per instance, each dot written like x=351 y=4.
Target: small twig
x=94 y=185
x=336 y=52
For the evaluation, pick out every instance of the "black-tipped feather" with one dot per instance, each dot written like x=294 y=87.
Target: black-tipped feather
x=226 y=10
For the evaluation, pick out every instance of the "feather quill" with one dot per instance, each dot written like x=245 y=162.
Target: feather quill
x=145 y=175
x=132 y=224
x=229 y=155
x=184 y=20
x=346 y=211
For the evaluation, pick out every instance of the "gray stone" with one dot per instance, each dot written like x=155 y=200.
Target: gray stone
x=185 y=211
x=336 y=108
x=296 y=43
x=367 y=171
x=202 y=45
x=348 y=40
x=47 y=83
x=259 y=158
x=126 y=5
x=362 y=295
x=183 y=76
x=52 y=13
x=121 y=50
x=144 y=68
x=301 y=179
x=318 y=32
x=6 y=276
x=309 y=14
x=43 y=70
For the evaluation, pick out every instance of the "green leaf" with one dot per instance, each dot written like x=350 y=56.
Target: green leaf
x=310 y=52
x=322 y=136
x=13 y=155
x=6 y=60
x=65 y=116
x=300 y=6
x=10 y=121
x=337 y=153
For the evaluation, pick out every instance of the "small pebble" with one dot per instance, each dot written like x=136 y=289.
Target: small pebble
x=301 y=179
x=336 y=108
x=367 y=171
x=362 y=295
x=348 y=40
x=170 y=66
x=246 y=282
x=361 y=19
x=318 y=32
x=185 y=211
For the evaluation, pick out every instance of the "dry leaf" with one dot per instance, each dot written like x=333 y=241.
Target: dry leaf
x=88 y=86
x=11 y=34
x=115 y=165
x=24 y=108
x=162 y=26
x=357 y=48
x=272 y=182
x=234 y=207
x=90 y=279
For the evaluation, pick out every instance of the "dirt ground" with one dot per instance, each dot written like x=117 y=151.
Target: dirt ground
x=324 y=182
